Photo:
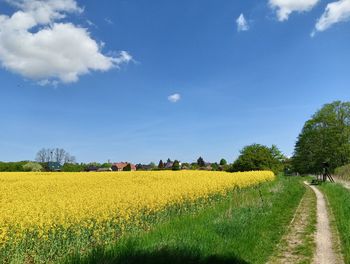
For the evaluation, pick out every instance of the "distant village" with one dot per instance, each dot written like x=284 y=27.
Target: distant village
x=128 y=166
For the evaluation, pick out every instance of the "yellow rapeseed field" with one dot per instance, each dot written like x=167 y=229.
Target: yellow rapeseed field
x=40 y=205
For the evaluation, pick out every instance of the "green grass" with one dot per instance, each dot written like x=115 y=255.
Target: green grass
x=243 y=228
x=307 y=248
x=339 y=200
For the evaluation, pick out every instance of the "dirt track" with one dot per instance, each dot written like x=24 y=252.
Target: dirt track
x=324 y=246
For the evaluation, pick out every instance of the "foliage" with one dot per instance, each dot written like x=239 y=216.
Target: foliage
x=70 y=167
x=215 y=167
x=223 y=162
x=240 y=228
x=106 y=165
x=63 y=210
x=127 y=167
x=324 y=138
x=201 y=162
x=12 y=166
x=339 y=200
x=185 y=166
x=32 y=166
x=259 y=157
x=194 y=166
x=176 y=165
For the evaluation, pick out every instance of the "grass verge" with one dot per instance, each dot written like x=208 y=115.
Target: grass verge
x=339 y=200
x=242 y=228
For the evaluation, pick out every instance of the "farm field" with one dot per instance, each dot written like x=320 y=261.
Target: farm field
x=46 y=216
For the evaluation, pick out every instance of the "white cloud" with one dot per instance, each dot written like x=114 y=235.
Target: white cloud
x=335 y=12
x=242 y=24
x=35 y=45
x=285 y=7
x=174 y=97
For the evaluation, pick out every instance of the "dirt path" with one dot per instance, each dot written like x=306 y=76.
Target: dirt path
x=324 y=245
x=298 y=245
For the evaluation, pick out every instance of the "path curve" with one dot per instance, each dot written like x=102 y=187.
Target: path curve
x=324 y=246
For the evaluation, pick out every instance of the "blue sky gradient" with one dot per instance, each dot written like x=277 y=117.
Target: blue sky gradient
x=237 y=88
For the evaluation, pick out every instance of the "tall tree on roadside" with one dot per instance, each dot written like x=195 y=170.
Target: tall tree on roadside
x=324 y=138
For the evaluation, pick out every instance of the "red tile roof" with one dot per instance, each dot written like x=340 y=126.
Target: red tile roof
x=121 y=165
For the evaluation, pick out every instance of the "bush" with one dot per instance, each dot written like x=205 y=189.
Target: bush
x=32 y=166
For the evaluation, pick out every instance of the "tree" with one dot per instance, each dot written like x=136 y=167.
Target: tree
x=201 y=162
x=70 y=167
x=12 y=166
x=176 y=165
x=54 y=155
x=223 y=162
x=324 y=138
x=160 y=165
x=32 y=166
x=127 y=167
x=106 y=165
x=257 y=157
x=215 y=166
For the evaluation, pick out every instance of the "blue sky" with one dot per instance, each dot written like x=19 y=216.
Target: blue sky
x=236 y=87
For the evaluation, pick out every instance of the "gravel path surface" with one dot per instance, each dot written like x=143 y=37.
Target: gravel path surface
x=324 y=247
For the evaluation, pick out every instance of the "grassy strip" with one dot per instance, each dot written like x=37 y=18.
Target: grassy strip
x=298 y=244
x=307 y=248
x=243 y=228
x=339 y=200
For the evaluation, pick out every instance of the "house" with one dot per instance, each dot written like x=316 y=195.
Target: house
x=168 y=165
x=119 y=166
x=54 y=166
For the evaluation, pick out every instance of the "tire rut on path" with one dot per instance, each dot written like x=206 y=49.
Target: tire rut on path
x=325 y=253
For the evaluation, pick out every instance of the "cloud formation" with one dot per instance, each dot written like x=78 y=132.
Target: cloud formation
x=335 y=12
x=242 y=24
x=285 y=7
x=174 y=97
x=35 y=45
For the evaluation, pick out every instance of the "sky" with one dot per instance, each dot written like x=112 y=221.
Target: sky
x=142 y=81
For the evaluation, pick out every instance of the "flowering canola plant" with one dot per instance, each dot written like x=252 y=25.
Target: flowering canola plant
x=48 y=206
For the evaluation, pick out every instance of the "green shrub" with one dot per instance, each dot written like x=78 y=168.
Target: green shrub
x=32 y=166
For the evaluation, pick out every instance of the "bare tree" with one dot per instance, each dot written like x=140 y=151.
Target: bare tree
x=54 y=155
x=41 y=156
x=60 y=155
